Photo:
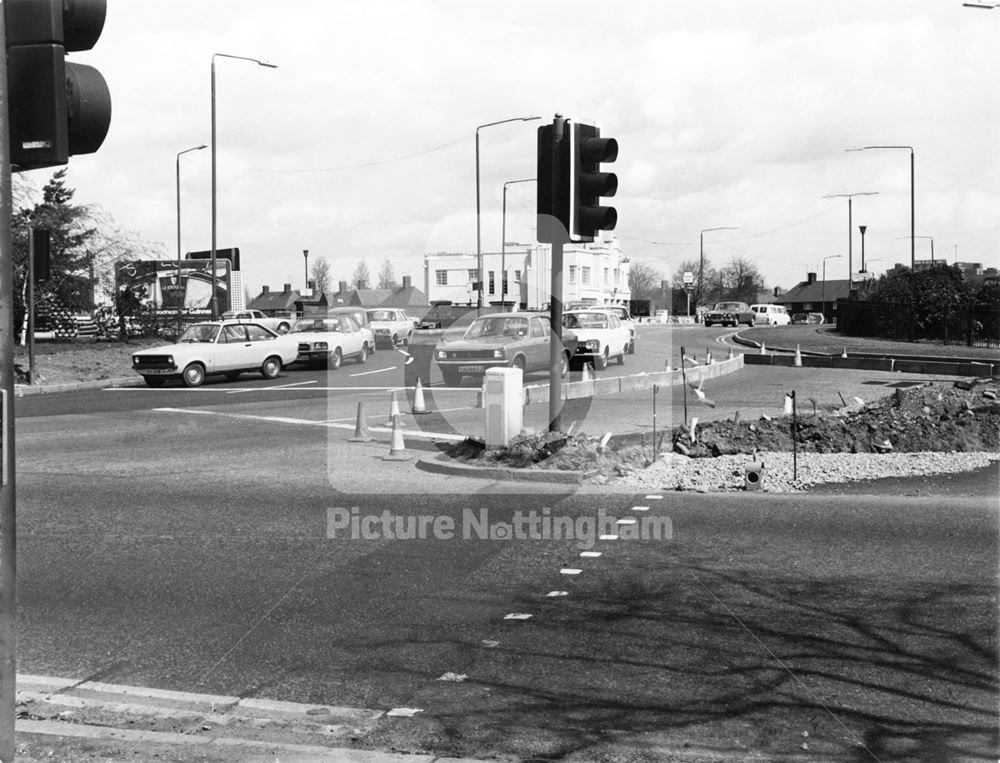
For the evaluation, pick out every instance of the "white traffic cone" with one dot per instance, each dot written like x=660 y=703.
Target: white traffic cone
x=361 y=433
x=731 y=355
x=798 y=357
x=585 y=373
x=844 y=353
x=788 y=405
x=397 y=448
x=763 y=351
x=393 y=410
x=708 y=358
x=418 y=399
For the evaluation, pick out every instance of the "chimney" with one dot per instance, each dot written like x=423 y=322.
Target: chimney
x=266 y=289
x=777 y=291
x=407 y=282
x=287 y=289
x=810 y=278
x=343 y=287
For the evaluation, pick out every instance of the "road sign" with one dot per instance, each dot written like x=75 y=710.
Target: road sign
x=688 y=278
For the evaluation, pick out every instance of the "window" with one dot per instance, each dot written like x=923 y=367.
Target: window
x=473 y=276
x=258 y=333
x=441 y=277
x=517 y=276
x=234 y=334
x=572 y=273
x=585 y=274
x=503 y=285
x=493 y=282
x=605 y=275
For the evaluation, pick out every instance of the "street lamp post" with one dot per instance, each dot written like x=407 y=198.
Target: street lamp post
x=479 y=247
x=931 y=238
x=850 y=228
x=701 y=260
x=913 y=215
x=823 y=292
x=180 y=302
x=503 y=236
x=215 y=302
x=863 y=228
x=305 y=255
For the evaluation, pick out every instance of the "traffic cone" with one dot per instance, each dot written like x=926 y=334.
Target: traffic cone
x=731 y=355
x=844 y=353
x=397 y=448
x=585 y=373
x=708 y=358
x=798 y=357
x=418 y=399
x=788 y=405
x=393 y=410
x=762 y=350
x=361 y=427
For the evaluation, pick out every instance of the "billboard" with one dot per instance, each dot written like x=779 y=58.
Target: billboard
x=167 y=290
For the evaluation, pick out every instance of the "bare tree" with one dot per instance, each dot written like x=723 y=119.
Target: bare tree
x=361 y=279
x=644 y=281
x=320 y=275
x=741 y=280
x=386 y=276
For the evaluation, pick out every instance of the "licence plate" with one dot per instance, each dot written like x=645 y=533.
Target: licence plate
x=300 y=358
x=470 y=369
x=156 y=372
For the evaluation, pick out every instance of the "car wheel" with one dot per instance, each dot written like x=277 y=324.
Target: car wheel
x=154 y=381
x=233 y=375
x=601 y=361
x=194 y=375
x=452 y=378
x=518 y=362
x=271 y=367
x=363 y=355
x=563 y=365
x=631 y=348
x=621 y=358
x=283 y=328
x=335 y=360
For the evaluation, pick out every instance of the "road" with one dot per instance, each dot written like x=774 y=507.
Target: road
x=191 y=551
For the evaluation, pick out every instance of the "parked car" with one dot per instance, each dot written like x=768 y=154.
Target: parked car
x=328 y=341
x=279 y=324
x=600 y=336
x=624 y=316
x=391 y=325
x=498 y=340
x=771 y=315
x=730 y=314
x=360 y=315
x=227 y=347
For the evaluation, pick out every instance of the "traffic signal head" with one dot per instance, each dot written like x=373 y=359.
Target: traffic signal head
x=553 y=183
x=57 y=108
x=588 y=150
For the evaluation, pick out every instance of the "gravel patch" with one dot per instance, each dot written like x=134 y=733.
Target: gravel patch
x=726 y=473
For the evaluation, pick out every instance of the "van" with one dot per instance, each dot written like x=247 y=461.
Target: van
x=771 y=315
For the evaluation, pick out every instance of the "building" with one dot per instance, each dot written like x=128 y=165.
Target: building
x=276 y=303
x=406 y=297
x=816 y=296
x=592 y=273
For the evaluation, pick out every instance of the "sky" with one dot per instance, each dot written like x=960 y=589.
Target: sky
x=361 y=144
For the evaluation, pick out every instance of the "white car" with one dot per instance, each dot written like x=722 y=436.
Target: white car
x=391 y=325
x=601 y=336
x=771 y=315
x=280 y=325
x=227 y=347
x=328 y=340
x=624 y=316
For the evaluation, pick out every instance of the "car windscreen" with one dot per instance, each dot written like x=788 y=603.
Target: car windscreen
x=316 y=324
x=381 y=315
x=497 y=326
x=200 y=332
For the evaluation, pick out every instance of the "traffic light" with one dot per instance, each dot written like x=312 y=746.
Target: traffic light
x=41 y=254
x=553 y=183
x=56 y=108
x=588 y=150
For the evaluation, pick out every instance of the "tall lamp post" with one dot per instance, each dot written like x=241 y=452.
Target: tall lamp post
x=913 y=216
x=215 y=301
x=931 y=238
x=180 y=302
x=863 y=228
x=305 y=255
x=701 y=259
x=823 y=292
x=850 y=228
x=479 y=247
x=503 y=236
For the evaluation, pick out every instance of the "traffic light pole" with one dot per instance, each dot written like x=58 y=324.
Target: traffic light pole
x=556 y=298
x=8 y=568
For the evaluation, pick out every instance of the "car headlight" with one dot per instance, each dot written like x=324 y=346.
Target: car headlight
x=322 y=346
x=441 y=354
x=498 y=354
x=592 y=344
x=135 y=360
x=170 y=360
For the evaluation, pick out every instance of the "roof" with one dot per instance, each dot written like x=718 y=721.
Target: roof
x=275 y=300
x=816 y=291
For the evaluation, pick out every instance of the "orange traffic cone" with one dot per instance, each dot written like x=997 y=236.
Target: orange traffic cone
x=393 y=410
x=798 y=357
x=361 y=427
x=418 y=399
x=397 y=448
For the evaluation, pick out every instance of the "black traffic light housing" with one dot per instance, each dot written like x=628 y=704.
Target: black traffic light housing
x=57 y=108
x=553 y=180
x=588 y=150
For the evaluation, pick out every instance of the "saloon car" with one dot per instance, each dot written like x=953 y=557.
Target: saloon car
x=498 y=340
x=391 y=325
x=730 y=314
x=624 y=316
x=280 y=324
x=327 y=341
x=600 y=335
x=227 y=347
x=360 y=315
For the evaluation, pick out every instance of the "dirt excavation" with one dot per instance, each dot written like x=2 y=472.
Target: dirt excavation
x=908 y=431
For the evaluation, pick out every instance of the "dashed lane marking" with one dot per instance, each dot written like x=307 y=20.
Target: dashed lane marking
x=279 y=386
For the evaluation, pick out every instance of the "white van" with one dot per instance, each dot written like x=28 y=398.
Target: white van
x=771 y=315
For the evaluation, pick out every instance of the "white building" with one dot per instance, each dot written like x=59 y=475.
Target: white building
x=592 y=273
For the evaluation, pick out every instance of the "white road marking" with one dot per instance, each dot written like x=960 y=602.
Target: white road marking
x=590 y=554
x=569 y=571
x=556 y=593
x=279 y=386
x=609 y=537
x=654 y=497
x=517 y=616
x=375 y=371
x=640 y=508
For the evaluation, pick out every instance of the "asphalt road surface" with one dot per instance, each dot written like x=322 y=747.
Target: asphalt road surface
x=193 y=552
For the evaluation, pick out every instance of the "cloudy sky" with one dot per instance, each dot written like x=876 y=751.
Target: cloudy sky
x=361 y=144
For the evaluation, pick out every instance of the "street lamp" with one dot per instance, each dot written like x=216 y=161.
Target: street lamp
x=701 y=260
x=823 y=292
x=479 y=247
x=215 y=302
x=180 y=302
x=926 y=237
x=913 y=223
x=850 y=228
x=305 y=254
x=863 y=228
x=503 y=236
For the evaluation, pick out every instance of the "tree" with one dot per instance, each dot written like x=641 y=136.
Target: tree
x=740 y=281
x=361 y=278
x=320 y=273
x=644 y=281
x=386 y=276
